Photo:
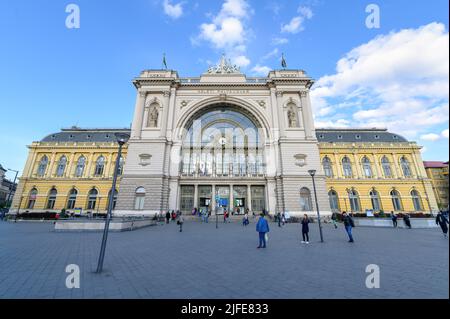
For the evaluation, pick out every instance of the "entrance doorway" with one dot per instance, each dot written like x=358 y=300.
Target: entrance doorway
x=205 y=198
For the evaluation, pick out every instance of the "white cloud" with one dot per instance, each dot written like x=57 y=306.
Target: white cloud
x=296 y=23
x=444 y=134
x=173 y=10
x=279 y=41
x=227 y=31
x=271 y=54
x=431 y=137
x=398 y=81
x=261 y=70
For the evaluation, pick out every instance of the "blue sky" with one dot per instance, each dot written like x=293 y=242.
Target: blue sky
x=51 y=77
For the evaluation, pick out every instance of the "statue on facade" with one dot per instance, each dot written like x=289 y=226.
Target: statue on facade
x=153 y=117
x=292 y=118
x=224 y=67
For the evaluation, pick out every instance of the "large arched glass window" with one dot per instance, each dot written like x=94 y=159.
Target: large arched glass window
x=42 y=166
x=92 y=199
x=223 y=141
x=375 y=199
x=139 y=199
x=417 y=200
x=81 y=164
x=406 y=168
x=100 y=166
x=51 y=200
x=114 y=198
x=347 y=167
x=353 y=197
x=396 y=200
x=305 y=200
x=72 y=200
x=367 y=167
x=32 y=198
x=327 y=168
x=386 y=165
x=334 y=200
x=61 y=166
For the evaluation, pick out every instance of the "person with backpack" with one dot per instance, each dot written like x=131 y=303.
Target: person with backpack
x=349 y=224
x=305 y=229
x=442 y=221
x=262 y=227
x=394 y=219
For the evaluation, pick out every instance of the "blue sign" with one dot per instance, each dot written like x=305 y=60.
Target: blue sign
x=223 y=202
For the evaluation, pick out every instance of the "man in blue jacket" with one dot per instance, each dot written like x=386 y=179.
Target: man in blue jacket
x=262 y=227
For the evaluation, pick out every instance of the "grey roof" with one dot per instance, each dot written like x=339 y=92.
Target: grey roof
x=358 y=136
x=323 y=135
x=75 y=134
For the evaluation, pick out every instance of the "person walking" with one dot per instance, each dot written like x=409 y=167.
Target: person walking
x=407 y=221
x=262 y=227
x=167 y=217
x=349 y=224
x=442 y=221
x=283 y=219
x=394 y=219
x=180 y=221
x=245 y=221
x=279 y=219
x=305 y=229
x=334 y=220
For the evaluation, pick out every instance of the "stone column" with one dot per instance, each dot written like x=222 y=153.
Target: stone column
x=196 y=196
x=249 y=197
x=357 y=166
x=173 y=95
x=377 y=170
x=68 y=173
x=307 y=114
x=90 y=162
x=338 y=165
x=136 y=129
x=213 y=200
x=109 y=165
x=277 y=112
x=395 y=168
x=49 y=173
x=165 y=113
x=231 y=198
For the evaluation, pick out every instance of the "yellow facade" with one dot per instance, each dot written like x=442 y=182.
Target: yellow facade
x=438 y=174
x=89 y=180
x=412 y=189
x=370 y=180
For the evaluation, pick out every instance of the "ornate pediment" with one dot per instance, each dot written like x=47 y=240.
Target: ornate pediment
x=224 y=67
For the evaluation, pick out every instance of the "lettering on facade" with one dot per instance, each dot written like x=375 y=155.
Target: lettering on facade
x=223 y=91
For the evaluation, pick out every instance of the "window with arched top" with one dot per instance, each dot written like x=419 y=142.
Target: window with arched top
x=121 y=164
x=51 y=200
x=305 y=200
x=72 y=199
x=99 y=166
x=62 y=163
x=327 y=168
x=139 y=198
x=406 y=168
x=347 y=167
x=114 y=202
x=42 y=166
x=375 y=199
x=396 y=200
x=367 y=167
x=92 y=199
x=353 y=197
x=417 y=200
x=32 y=197
x=81 y=164
x=334 y=200
x=386 y=165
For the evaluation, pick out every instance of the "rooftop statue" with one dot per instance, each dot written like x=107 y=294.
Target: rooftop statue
x=224 y=67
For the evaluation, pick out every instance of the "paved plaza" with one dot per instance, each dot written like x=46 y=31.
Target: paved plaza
x=209 y=263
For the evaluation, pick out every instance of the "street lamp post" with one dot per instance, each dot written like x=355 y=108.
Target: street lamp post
x=313 y=174
x=9 y=201
x=122 y=138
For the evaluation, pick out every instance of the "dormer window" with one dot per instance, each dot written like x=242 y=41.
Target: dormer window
x=88 y=136
x=340 y=137
x=71 y=136
x=321 y=136
x=377 y=137
x=358 y=137
x=395 y=137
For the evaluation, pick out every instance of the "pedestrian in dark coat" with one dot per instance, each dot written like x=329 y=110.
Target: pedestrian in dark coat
x=262 y=227
x=167 y=217
x=407 y=221
x=394 y=219
x=305 y=229
x=279 y=219
x=349 y=224
x=442 y=221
